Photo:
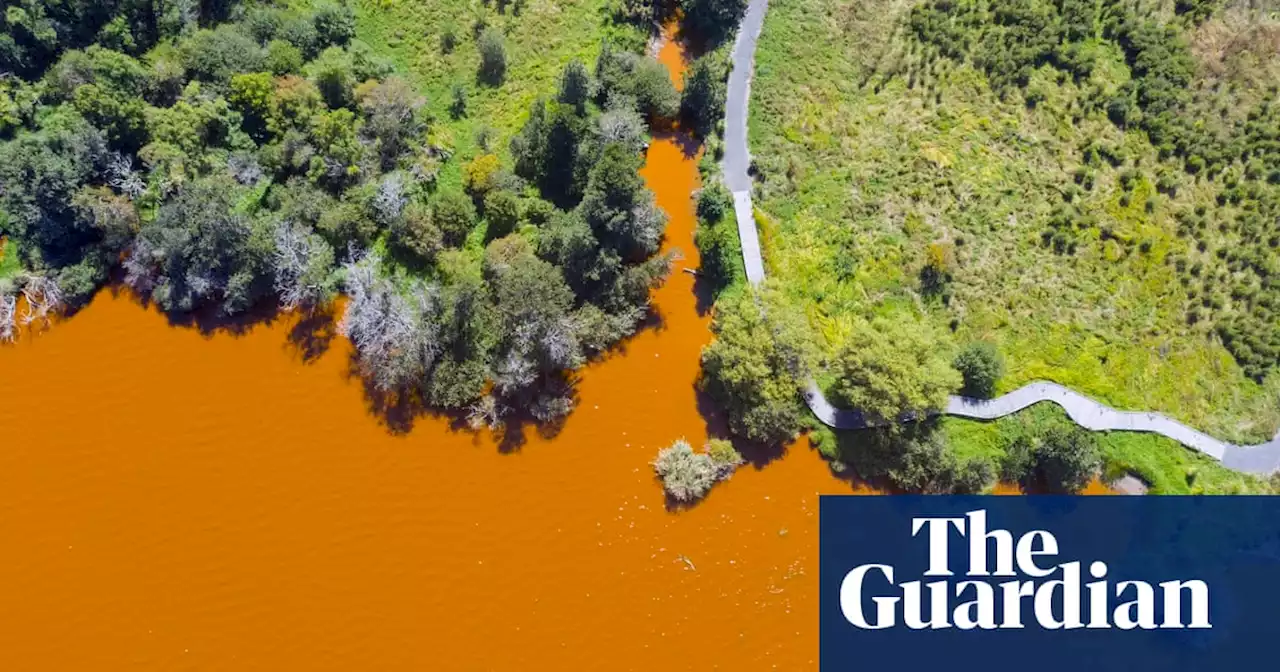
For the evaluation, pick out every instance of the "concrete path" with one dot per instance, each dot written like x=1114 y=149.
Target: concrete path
x=1088 y=413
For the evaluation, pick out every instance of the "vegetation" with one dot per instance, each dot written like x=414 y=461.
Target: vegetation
x=753 y=367
x=892 y=373
x=687 y=475
x=1090 y=188
x=956 y=455
x=981 y=366
x=243 y=154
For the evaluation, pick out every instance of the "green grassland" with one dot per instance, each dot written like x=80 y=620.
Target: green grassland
x=9 y=264
x=875 y=154
x=541 y=37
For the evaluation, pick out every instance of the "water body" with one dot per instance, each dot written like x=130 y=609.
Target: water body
x=180 y=501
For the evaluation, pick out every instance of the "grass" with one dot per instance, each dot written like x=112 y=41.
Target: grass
x=9 y=264
x=541 y=37
x=868 y=154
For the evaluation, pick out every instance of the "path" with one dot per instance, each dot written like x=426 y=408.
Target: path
x=1088 y=413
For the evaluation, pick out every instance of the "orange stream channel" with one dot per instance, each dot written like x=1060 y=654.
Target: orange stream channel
x=171 y=500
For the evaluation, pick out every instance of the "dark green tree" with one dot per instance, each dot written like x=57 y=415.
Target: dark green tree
x=981 y=365
x=702 y=101
x=493 y=56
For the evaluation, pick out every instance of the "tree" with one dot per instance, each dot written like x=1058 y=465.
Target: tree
x=283 y=58
x=253 y=96
x=622 y=124
x=215 y=55
x=455 y=214
x=893 y=372
x=702 y=101
x=502 y=210
x=547 y=151
x=575 y=86
x=493 y=56
x=653 y=89
x=981 y=366
x=540 y=338
x=335 y=23
x=335 y=77
x=713 y=19
x=751 y=369
x=619 y=208
x=395 y=333
x=392 y=120
x=1063 y=458
x=303 y=264
x=481 y=174
x=416 y=234
x=925 y=465
x=201 y=250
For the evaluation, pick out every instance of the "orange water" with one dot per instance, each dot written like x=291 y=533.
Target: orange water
x=177 y=501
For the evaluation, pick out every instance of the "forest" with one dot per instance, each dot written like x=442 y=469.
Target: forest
x=226 y=159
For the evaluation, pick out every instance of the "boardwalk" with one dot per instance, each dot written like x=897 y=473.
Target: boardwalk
x=1088 y=413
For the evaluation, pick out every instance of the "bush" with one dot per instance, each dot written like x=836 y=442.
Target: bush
x=480 y=175
x=892 y=371
x=981 y=365
x=687 y=475
x=493 y=56
x=575 y=86
x=1062 y=460
x=502 y=210
x=455 y=214
x=416 y=235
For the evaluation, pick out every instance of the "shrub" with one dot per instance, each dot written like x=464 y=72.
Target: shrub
x=448 y=38
x=981 y=365
x=1062 y=459
x=480 y=174
x=493 y=56
x=455 y=214
x=416 y=235
x=575 y=86
x=687 y=475
x=502 y=210
x=891 y=371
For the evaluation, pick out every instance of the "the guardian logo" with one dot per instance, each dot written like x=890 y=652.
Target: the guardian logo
x=1040 y=590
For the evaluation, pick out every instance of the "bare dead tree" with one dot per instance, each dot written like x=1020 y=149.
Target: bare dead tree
x=390 y=198
x=139 y=266
x=8 y=317
x=487 y=412
x=396 y=336
x=123 y=178
x=43 y=296
x=301 y=262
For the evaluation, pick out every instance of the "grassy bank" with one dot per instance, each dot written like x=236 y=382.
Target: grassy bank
x=1055 y=232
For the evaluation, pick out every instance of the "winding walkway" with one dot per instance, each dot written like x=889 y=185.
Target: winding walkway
x=1088 y=413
